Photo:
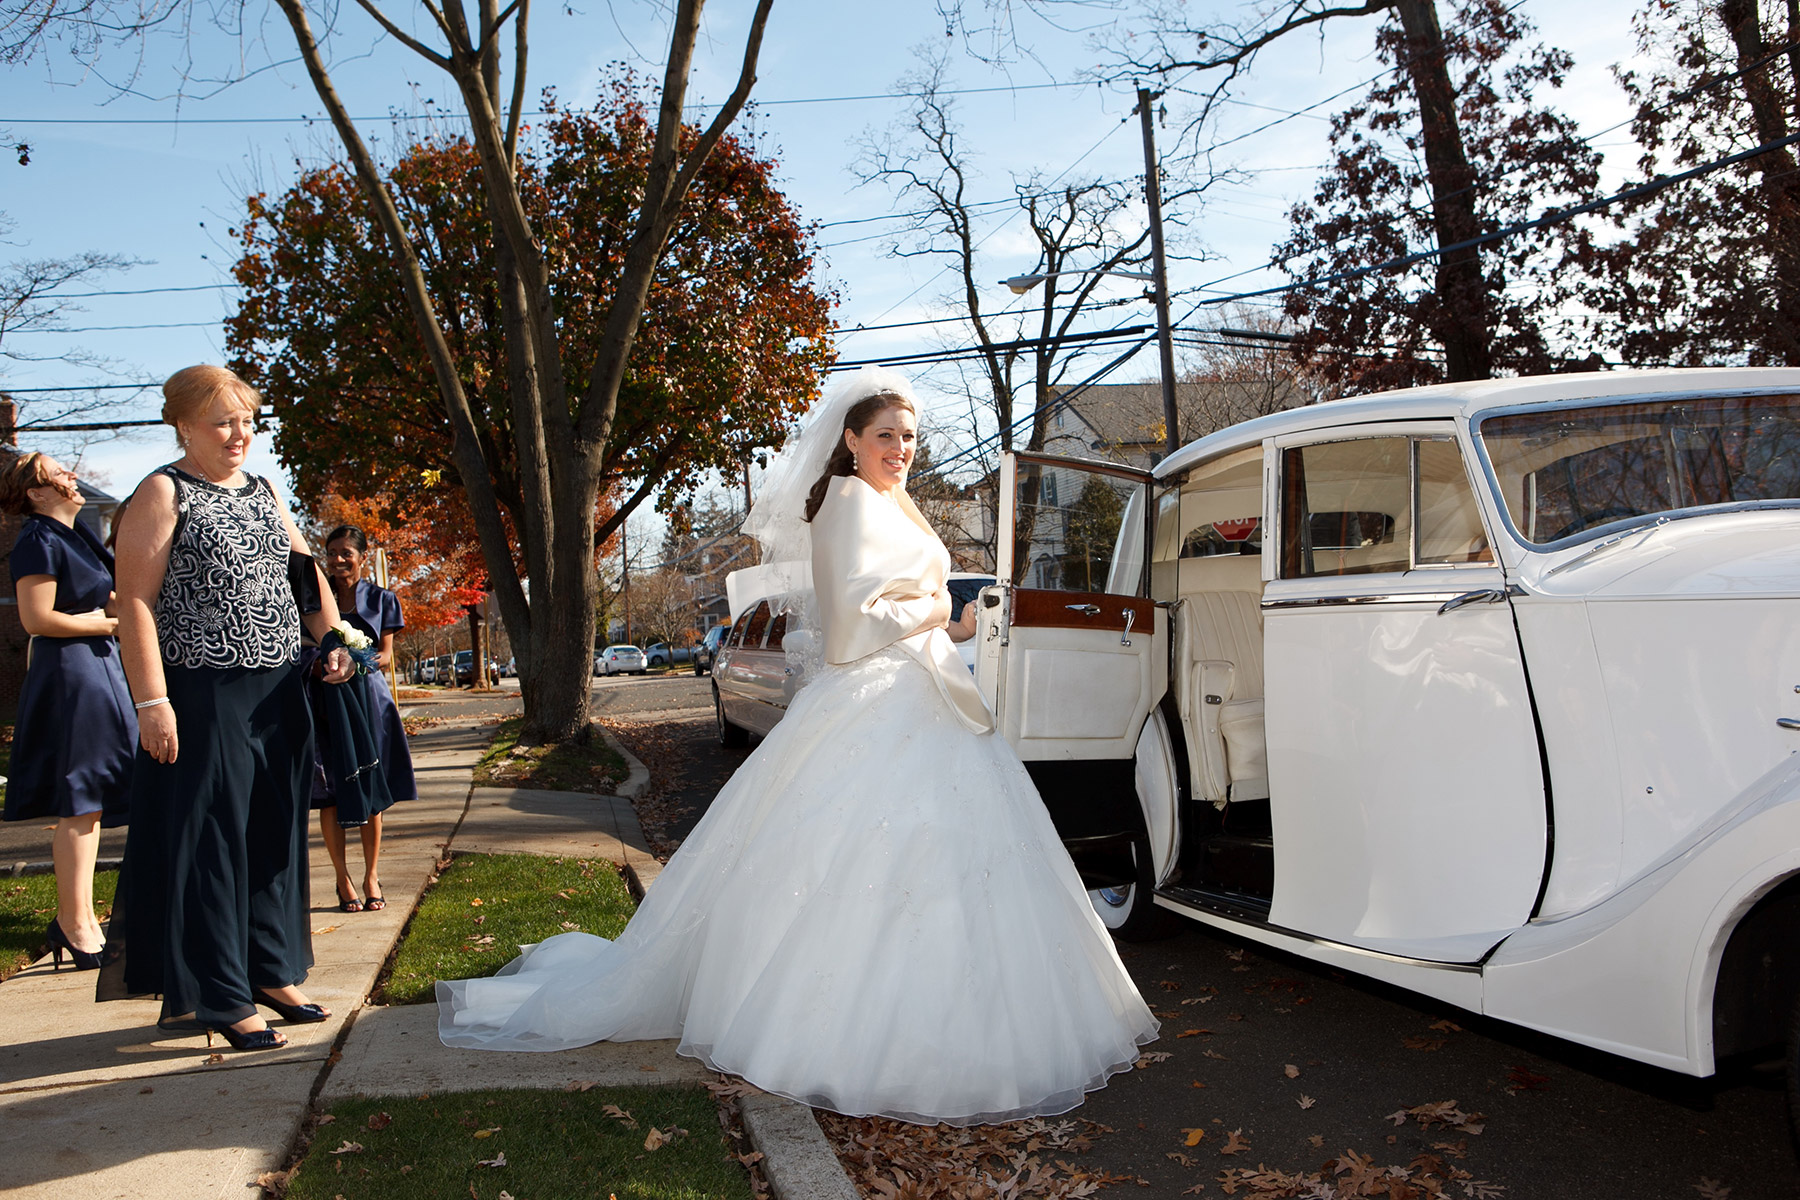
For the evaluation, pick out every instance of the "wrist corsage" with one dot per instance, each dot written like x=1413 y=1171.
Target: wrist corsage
x=360 y=645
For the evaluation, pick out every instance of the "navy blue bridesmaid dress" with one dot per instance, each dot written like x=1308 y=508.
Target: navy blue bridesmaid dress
x=76 y=733
x=377 y=612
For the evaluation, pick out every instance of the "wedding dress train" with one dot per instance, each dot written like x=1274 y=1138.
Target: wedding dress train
x=875 y=916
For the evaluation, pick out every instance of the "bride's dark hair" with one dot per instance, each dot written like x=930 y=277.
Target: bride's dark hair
x=856 y=420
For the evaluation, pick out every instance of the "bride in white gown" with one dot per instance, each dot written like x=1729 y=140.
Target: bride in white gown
x=876 y=915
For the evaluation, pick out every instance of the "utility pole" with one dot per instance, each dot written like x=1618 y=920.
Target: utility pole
x=625 y=574
x=1165 y=336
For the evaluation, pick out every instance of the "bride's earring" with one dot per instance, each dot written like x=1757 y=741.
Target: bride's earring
x=854 y=465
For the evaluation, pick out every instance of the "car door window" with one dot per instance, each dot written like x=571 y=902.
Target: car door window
x=1067 y=529
x=777 y=631
x=756 y=626
x=1377 y=504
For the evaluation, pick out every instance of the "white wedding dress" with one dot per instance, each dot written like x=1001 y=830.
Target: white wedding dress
x=876 y=915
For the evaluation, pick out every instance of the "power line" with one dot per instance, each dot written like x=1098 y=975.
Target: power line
x=123 y=328
x=448 y=115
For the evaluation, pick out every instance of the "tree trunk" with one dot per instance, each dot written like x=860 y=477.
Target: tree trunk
x=1464 y=326
x=1777 y=169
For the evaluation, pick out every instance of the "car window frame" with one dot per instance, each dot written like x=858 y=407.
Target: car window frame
x=1446 y=428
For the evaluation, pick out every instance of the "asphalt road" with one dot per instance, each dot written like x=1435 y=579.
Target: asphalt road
x=1556 y=1121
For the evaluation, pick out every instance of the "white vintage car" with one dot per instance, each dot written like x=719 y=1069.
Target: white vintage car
x=1490 y=691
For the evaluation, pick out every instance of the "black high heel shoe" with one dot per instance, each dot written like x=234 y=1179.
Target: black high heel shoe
x=257 y=1039
x=85 y=960
x=295 y=1014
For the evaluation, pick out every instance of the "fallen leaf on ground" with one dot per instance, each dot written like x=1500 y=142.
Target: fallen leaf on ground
x=1307 y=1101
x=326 y=1118
x=1168 y=985
x=499 y=1160
x=380 y=1121
x=1712 y=1189
x=1179 y=1157
x=1317 y=1139
x=1291 y=1071
x=1194 y=1136
x=1193 y=1033
x=1235 y=1143
x=1416 y=1042
x=1446 y=1026
x=654 y=1140
x=1440 y=1112
x=581 y=1085
x=1518 y=1079
x=1152 y=1056
x=348 y=1147
x=619 y=1114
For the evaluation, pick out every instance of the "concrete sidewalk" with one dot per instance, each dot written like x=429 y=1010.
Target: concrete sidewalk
x=96 y=1102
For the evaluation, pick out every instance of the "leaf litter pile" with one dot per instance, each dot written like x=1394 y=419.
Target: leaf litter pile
x=892 y=1160
x=665 y=745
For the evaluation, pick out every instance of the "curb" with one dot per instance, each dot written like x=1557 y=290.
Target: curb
x=797 y=1160
x=637 y=778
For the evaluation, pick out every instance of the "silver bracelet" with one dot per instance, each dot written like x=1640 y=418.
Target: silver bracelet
x=143 y=704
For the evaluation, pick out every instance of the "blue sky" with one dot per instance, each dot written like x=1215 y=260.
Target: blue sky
x=162 y=179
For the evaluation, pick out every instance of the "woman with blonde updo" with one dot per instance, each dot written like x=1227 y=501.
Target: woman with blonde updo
x=216 y=911
x=73 y=740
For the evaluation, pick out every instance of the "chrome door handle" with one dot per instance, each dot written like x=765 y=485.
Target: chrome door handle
x=1125 y=638
x=1788 y=722
x=1086 y=610
x=1483 y=596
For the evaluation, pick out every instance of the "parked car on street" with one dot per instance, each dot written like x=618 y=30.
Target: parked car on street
x=1490 y=691
x=708 y=648
x=622 y=659
x=464 y=668
x=752 y=680
x=661 y=654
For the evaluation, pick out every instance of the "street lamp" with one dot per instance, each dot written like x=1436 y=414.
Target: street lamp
x=1020 y=284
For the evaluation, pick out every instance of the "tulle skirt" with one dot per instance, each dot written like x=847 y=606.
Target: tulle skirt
x=875 y=916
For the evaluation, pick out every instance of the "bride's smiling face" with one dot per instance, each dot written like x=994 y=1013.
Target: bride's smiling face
x=884 y=449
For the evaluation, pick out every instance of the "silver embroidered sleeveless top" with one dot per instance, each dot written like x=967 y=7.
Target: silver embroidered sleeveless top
x=225 y=599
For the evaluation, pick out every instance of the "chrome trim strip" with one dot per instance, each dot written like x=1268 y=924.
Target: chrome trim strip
x=1433 y=598
x=1223 y=918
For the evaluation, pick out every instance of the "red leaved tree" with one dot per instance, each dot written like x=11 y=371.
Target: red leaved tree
x=734 y=340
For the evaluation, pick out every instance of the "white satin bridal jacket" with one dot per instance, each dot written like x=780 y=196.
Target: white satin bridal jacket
x=877 y=576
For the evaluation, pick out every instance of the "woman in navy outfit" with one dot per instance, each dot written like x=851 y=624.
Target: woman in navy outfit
x=376 y=612
x=73 y=741
x=216 y=912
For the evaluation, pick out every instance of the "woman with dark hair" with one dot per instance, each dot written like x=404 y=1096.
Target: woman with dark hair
x=875 y=915
x=216 y=883
x=73 y=741
x=374 y=612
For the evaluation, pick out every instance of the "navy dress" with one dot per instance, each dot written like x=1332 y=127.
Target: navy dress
x=215 y=883
x=376 y=612
x=76 y=732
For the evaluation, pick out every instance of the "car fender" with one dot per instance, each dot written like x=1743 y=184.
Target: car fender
x=1634 y=973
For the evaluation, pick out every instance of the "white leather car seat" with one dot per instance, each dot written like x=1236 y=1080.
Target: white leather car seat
x=1220 y=644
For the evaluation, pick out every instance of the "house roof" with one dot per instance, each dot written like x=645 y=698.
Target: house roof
x=1128 y=417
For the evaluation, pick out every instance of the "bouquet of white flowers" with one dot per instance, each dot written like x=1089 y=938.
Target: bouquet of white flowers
x=360 y=645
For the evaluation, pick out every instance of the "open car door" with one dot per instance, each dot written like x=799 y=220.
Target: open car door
x=1073 y=659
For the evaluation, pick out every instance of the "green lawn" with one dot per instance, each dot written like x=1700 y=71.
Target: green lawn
x=590 y=766
x=485 y=906
x=26 y=906
x=554 y=1144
